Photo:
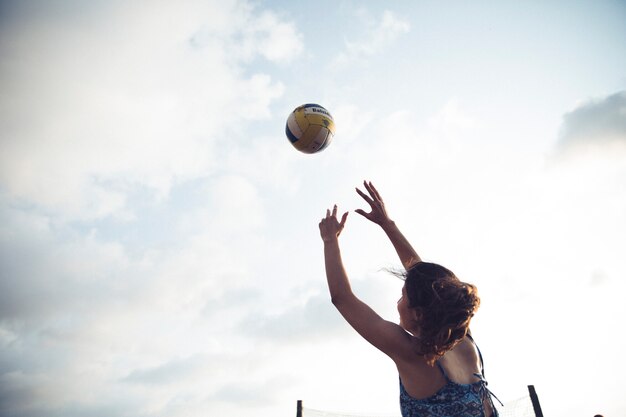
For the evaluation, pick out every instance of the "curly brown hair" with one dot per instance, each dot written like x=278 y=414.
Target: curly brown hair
x=444 y=306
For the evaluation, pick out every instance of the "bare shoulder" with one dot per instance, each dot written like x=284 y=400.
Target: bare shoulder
x=462 y=362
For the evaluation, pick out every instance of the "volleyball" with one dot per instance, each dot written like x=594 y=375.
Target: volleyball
x=310 y=128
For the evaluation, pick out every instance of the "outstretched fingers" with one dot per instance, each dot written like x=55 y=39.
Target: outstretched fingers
x=343 y=219
x=330 y=227
x=374 y=191
x=333 y=214
x=365 y=196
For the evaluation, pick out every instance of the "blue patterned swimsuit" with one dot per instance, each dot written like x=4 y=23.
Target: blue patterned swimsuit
x=452 y=400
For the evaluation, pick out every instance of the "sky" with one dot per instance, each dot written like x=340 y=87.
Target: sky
x=159 y=244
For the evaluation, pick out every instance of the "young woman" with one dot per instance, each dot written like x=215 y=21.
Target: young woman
x=440 y=366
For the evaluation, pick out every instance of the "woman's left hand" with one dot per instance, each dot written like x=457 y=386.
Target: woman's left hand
x=330 y=227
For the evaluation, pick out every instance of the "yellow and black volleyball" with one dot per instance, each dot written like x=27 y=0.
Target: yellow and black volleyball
x=310 y=128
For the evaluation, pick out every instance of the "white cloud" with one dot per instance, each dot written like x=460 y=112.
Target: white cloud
x=94 y=108
x=600 y=121
x=452 y=121
x=42 y=275
x=105 y=106
x=105 y=320
x=382 y=34
x=279 y=41
x=236 y=205
x=316 y=320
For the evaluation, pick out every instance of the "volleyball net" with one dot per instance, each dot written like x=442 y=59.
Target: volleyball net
x=527 y=406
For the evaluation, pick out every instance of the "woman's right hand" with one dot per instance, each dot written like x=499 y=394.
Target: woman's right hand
x=378 y=213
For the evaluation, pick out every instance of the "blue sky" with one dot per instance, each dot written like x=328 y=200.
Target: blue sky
x=159 y=248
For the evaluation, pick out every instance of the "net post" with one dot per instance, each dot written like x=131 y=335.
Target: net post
x=535 y=400
x=299 y=409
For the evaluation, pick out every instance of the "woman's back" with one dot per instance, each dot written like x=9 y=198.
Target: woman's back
x=455 y=386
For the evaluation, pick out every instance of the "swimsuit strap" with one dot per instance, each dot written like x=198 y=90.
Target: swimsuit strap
x=485 y=389
x=481 y=375
x=480 y=355
x=443 y=371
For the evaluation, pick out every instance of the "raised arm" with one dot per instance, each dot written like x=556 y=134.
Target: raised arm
x=330 y=229
x=384 y=335
x=378 y=214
